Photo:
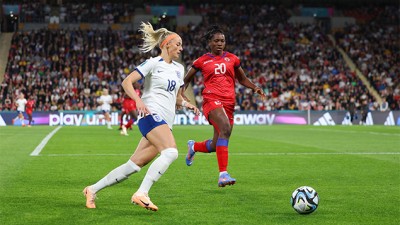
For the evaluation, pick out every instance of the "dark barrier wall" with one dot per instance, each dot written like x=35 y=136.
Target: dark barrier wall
x=318 y=118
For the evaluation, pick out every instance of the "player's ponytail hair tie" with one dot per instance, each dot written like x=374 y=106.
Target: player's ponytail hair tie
x=168 y=38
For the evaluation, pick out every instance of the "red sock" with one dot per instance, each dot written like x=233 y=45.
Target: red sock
x=121 y=121
x=222 y=154
x=202 y=146
x=129 y=124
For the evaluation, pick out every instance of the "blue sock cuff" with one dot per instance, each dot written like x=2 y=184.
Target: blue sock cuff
x=222 y=142
x=208 y=146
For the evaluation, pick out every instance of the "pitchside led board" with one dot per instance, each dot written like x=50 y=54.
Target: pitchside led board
x=317 y=118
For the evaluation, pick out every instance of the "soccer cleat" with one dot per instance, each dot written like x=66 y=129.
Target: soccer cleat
x=124 y=132
x=90 y=197
x=191 y=152
x=143 y=200
x=226 y=179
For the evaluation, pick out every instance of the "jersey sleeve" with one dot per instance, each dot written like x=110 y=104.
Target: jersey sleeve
x=146 y=67
x=236 y=63
x=197 y=64
x=181 y=78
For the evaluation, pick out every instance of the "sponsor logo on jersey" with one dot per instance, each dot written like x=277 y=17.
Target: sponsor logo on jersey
x=208 y=61
x=217 y=103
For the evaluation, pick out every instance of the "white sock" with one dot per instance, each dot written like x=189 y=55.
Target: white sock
x=220 y=173
x=158 y=168
x=22 y=121
x=117 y=175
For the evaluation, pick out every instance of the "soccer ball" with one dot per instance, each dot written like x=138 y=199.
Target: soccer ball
x=304 y=200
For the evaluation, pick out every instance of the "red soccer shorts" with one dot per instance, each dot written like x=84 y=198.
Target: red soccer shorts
x=210 y=105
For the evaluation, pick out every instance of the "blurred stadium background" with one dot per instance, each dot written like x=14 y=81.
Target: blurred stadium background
x=310 y=56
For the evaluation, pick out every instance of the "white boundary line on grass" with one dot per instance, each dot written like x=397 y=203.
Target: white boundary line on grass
x=254 y=154
x=43 y=143
x=358 y=132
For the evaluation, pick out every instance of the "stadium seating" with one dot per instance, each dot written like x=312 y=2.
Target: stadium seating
x=296 y=64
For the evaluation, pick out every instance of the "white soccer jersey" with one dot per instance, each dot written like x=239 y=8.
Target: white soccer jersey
x=106 y=101
x=162 y=83
x=21 y=104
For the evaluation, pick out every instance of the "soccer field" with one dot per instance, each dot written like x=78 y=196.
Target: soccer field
x=355 y=170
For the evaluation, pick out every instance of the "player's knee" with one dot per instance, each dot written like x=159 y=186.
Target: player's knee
x=225 y=132
x=171 y=154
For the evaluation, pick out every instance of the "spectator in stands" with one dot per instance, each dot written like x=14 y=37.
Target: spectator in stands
x=384 y=106
x=364 y=112
x=351 y=107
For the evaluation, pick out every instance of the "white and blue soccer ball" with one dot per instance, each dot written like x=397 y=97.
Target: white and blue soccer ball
x=304 y=200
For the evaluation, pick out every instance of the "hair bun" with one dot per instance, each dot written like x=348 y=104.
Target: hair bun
x=215 y=27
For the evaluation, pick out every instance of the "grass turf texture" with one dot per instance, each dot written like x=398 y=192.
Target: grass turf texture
x=355 y=170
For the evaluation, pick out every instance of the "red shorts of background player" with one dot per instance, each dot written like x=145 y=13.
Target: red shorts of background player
x=29 y=112
x=129 y=105
x=209 y=105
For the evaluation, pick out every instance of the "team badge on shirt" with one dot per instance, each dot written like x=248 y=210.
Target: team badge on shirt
x=178 y=74
x=156 y=118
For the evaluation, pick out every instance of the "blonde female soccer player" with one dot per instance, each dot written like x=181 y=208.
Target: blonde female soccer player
x=156 y=108
x=106 y=100
x=20 y=103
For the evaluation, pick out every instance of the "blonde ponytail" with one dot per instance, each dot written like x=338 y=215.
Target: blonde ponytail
x=151 y=37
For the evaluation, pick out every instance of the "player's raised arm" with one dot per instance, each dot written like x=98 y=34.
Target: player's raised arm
x=243 y=80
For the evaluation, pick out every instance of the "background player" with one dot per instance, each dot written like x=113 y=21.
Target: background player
x=220 y=69
x=30 y=105
x=20 y=103
x=106 y=100
x=129 y=109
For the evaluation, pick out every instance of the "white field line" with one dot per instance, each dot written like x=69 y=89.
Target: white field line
x=43 y=143
x=357 y=132
x=251 y=154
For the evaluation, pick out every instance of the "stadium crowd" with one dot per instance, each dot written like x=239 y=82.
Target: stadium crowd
x=297 y=65
x=374 y=46
x=73 y=12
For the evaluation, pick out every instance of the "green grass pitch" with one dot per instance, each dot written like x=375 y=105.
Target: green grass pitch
x=355 y=170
